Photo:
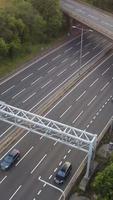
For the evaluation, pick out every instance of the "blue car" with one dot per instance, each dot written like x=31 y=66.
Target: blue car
x=9 y=159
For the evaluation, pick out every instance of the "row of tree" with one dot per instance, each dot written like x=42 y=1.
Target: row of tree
x=28 y=22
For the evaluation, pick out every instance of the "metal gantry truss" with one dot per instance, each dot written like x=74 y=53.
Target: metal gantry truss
x=57 y=131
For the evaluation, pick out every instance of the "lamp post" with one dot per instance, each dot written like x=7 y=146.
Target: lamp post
x=45 y=182
x=81 y=40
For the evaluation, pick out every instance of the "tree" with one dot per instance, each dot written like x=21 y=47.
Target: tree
x=103 y=183
x=3 y=48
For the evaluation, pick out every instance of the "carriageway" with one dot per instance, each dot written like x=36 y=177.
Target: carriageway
x=92 y=17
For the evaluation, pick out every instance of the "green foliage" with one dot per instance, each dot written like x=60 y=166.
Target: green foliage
x=104 y=4
x=3 y=48
x=27 y=22
x=103 y=183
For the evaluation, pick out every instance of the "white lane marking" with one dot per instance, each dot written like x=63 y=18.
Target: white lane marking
x=44 y=184
x=14 y=145
x=65 y=111
x=8 y=89
x=50 y=177
x=65 y=157
x=3 y=179
x=15 y=192
x=56 y=57
x=103 y=106
x=81 y=95
x=36 y=80
x=92 y=100
x=39 y=192
x=46 y=84
x=97 y=113
x=41 y=137
x=68 y=49
x=18 y=93
x=94 y=117
x=29 y=97
x=104 y=86
x=73 y=63
x=100 y=109
x=60 y=163
x=39 y=163
x=51 y=70
x=61 y=72
x=26 y=77
x=88 y=126
x=76 y=84
x=55 y=143
x=94 y=82
x=91 y=122
x=65 y=60
x=24 y=156
x=6 y=131
x=42 y=66
x=105 y=71
x=55 y=169
x=77 y=117
x=69 y=150
x=85 y=54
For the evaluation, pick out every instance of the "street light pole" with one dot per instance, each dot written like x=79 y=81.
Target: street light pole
x=45 y=182
x=81 y=47
x=81 y=40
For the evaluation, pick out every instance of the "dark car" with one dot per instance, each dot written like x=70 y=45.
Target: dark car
x=63 y=172
x=9 y=159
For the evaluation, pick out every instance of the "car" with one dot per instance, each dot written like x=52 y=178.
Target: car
x=9 y=159
x=63 y=172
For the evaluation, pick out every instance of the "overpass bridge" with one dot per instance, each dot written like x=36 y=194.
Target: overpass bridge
x=95 y=18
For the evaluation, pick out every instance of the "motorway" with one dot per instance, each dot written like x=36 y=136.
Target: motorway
x=87 y=106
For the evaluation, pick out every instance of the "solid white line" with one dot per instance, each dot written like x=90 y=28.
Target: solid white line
x=94 y=82
x=18 y=93
x=77 y=84
x=36 y=80
x=61 y=72
x=24 y=156
x=56 y=57
x=14 y=145
x=27 y=77
x=92 y=100
x=78 y=116
x=81 y=95
x=6 y=131
x=68 y=49
x=29 y=97
x=46 y=84
x=51 y=70
x=73 y=63
x=65 y=60
x=85 y=54
x=7 y=89
x=105 y=71
x=43 y=66
x=65 y=111
x=3 y=179
x=15 y=192
x=104 y=86
x=39 y=163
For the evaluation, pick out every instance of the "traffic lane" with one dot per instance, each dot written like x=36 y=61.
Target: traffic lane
x=84 y=89
x=62 y=73
x=24 y=82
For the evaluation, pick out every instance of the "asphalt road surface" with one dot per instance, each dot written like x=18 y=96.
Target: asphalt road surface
x=87 y=106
